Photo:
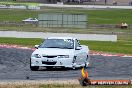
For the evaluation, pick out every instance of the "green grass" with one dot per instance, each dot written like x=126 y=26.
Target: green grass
x=109 y=16
x=20 y=41
x=94 y=16
x=113 y=47
x=10 y=15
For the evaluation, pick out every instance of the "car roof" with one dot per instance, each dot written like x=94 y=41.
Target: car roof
x=61 y=38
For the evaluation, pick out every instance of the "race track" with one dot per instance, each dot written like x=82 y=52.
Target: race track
x=14 y=65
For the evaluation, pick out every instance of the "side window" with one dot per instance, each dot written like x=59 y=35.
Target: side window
x=77 y=44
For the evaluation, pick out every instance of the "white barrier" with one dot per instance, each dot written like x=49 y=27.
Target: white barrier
x=96 y=37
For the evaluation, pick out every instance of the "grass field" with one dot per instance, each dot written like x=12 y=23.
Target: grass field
x=10 y=15
x=94 y=16
x=107 y=16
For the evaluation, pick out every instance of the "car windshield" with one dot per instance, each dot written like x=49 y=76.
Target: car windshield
x=58 y=43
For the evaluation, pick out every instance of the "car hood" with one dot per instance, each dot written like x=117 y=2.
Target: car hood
x=53 y=51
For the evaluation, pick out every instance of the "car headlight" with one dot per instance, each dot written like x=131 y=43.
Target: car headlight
x=63 y=56
x=36 y=56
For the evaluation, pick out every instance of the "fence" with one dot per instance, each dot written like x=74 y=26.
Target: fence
x=32 y=24
x=62 y=20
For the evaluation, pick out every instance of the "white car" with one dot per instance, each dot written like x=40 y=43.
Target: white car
x=60 y=52
x=30 y=20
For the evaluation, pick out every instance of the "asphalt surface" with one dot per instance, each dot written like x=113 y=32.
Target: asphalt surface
x=14 y=65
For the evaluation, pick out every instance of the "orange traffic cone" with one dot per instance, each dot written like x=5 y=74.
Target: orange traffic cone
x=84 y=80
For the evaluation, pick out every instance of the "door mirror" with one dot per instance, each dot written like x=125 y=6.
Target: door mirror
x=78 y=48
x=36 y=46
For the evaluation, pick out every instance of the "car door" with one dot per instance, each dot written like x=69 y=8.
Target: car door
x=78 y=53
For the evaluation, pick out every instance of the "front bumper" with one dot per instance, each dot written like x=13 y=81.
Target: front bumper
x=54 y=62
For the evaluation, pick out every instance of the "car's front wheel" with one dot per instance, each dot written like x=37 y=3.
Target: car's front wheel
x=34 y=68
x=49 y=68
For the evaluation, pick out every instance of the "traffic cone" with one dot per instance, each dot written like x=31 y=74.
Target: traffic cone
x=84 y=80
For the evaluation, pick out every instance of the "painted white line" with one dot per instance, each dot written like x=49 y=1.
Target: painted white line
x=127 y=56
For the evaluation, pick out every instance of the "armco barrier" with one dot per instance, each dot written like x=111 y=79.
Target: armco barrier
x=95 y=37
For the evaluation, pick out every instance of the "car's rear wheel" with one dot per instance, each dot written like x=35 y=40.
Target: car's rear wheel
x=73 y=62
x=86 y=62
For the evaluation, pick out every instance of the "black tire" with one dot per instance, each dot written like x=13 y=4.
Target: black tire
x=74 y=59
x=34 y=68
x=87 y=61
x=63 y=67
x=49 y=67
